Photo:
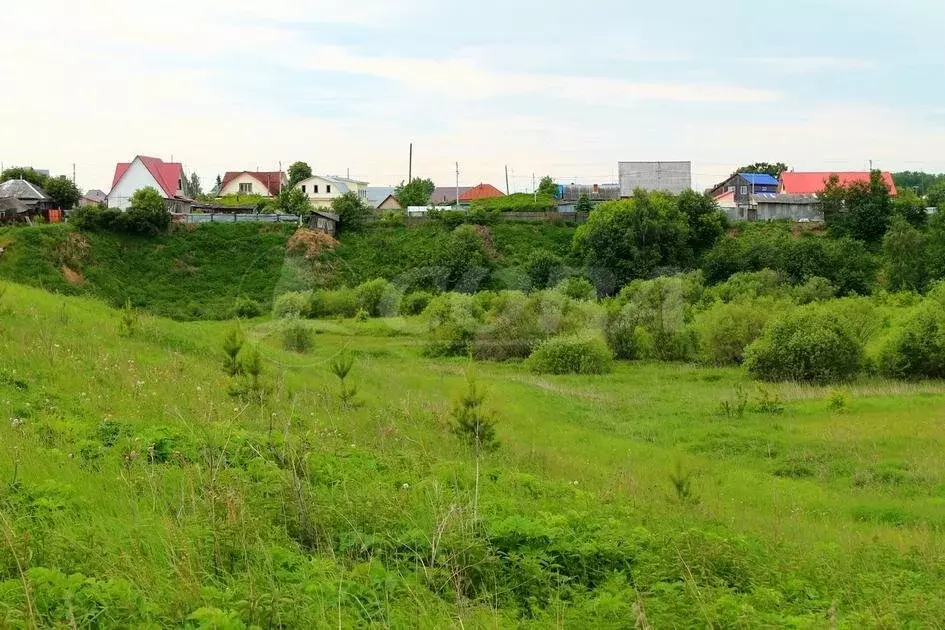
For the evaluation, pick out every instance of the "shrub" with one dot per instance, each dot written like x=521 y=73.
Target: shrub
x=750 y=285
x=543 y=268
x=392 y=218
x=292 y=304
x=918 y=349
x=649 y=320
x=725 y=330
x=571 y=355
x=816 y=289
x=577 y=288
x=808 y=344
x=147 y=214
x=370 y=294
x=415 y=303
x=246 y=308
x=453 y=319
x=337 y=303
x=297 y=336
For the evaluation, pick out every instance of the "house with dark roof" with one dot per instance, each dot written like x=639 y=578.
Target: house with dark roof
x=744 y=185
x=93 y=198
x=28 y=194
x=264 y=183
x=446 y=195
x=148 y=172
x=813 y=183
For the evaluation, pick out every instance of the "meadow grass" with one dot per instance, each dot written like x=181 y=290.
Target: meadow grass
x=141 y=485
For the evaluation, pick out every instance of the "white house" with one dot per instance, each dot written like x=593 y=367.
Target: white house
x=166 y=177
x=322 y=189
x=265 y=183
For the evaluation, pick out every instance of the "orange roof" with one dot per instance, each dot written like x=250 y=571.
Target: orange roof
x=814 y=183
x=482 y=191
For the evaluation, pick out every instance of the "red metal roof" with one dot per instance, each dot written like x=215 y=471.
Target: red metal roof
x=272 y=181
x=482 y=191
x=813 y=183
x=166 y=174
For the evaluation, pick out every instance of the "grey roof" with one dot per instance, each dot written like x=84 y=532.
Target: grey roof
x=341 y=185
x=784 y=198
x=328 y=215
x=445 y=194
x=10 y=206
x=95 y=195
x=377 y=194
x=22 y=189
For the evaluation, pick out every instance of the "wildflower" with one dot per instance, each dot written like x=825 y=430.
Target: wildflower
x=16 y=423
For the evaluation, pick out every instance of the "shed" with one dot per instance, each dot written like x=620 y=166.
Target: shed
x=322 y=221
x=12 y=209
x=772 y=207
x=32 y=196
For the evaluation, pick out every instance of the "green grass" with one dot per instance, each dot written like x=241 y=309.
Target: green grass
x=198 y=272
x=136 y=491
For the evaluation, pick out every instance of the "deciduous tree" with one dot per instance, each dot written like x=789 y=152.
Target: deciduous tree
x=292 y=201
x=63 y=192
x=547 y=186
x=352 y=212
x=24 y=172
x=774 y=170
x=415 y=193
x=860 y=210
x=298 y=172
x=904 y=256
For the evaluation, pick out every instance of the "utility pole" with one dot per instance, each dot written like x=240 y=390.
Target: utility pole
x=507 y=180
x=410 y=165
x=457 y=185
x=871 y=166
x=73 y=173
x=280 y=176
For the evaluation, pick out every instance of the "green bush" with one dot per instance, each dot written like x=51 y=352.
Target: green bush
x=577 y=288
x=415 y=303
x=392 y=218
x=917 y=350
x=816 y=289
x=292 y=304
x=336 y=303
x=725 y=330
x=809 y=344
x=650 y=320
x=246 y=308
x=370 y=296
x=517 y=202
x=297 y=336
x=543 y=269
x=571 y=355
x=452 y=319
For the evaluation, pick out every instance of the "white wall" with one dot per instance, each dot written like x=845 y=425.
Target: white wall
x=321 y=199
x=136 y=177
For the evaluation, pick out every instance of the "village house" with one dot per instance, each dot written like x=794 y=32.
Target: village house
x=482 y=191
x=322 y=189
x=31 y=196
x=813 y=183
x=744 y=185
x=261 y=183
x=93 y=198
x=143 y=172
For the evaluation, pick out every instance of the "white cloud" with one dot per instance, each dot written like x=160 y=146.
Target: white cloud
x=811 y=65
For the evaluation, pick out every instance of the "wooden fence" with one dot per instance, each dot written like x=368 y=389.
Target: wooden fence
x=235 y=217
x=530 y=217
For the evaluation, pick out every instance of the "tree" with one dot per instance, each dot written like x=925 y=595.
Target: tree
x=904 y=256
x=774 y=170
x=935 y=197
x=706 y=222
x=219 y=186
x=583 y=204
x=920 y=183
x=24 y=172
x=63 y=192
x=299 y=171
x=935 y=246
x=352 y=212
x=194 y=185
x=859 y=210
x=147 y=214
x=911 y=207
x=415 y=193
x=633 y=238
x=547 y=186
x=291 y=201
x=474 y=426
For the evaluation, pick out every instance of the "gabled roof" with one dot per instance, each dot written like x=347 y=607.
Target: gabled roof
x=376 y=195
x=443 y=194
x=759 y=179
x=482 y=191
x=339 y=184
x=166 y=174
x=22 y=189
x=95 y=195
x=812 y=183
x=272 y=181
x=11 y=206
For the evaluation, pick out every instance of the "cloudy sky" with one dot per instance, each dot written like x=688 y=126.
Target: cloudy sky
x=562 y=88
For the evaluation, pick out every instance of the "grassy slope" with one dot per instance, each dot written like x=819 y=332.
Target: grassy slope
x=277 y=515
x=194 y=273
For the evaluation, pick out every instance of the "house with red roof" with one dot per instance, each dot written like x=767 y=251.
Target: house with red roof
x=813 y=183
x=166 y=177
x=264 y=183
x=482 y=191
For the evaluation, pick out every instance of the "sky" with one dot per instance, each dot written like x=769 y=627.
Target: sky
x=544 y=87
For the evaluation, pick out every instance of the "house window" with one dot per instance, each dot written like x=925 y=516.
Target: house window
x=744 y=190
x=303 y=188
x=314 y=189
x=730 y=189
x=327 y=189
x=246 y=188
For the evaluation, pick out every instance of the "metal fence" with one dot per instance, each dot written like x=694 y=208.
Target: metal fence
x=235 y=217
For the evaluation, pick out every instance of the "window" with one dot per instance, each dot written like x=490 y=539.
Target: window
x=314 y=189
x=327 y=189
x=246 y=188
x=730 y=189
x=744 y=190
x=303 y=188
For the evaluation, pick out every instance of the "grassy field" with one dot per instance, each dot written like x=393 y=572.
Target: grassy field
x=139 y=487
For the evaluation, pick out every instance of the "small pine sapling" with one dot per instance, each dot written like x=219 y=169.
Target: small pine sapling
x=232 y=344
x=341 y=367
x=682 y=482
x=129 y=319
x=251 y=363
x=474 y=425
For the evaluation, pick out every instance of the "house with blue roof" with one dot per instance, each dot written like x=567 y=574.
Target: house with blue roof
x=743 y=186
